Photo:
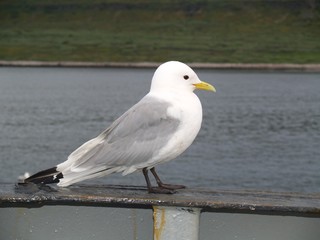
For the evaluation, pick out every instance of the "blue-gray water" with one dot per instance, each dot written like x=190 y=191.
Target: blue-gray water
x=260 y=130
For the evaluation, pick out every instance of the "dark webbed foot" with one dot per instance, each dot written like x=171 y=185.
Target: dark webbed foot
x=162 y=187
x=160 y=190
x=171 y=186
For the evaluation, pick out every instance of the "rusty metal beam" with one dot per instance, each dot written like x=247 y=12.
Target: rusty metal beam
x=251 y=202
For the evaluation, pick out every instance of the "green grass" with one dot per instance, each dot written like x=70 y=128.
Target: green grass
x=193 y=31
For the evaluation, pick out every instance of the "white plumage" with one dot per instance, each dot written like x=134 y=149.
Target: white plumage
x=161 y=126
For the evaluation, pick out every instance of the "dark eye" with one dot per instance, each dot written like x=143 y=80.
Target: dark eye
x=186 y=77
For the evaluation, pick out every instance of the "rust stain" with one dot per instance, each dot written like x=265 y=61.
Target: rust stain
x=134 y=224
x=158 y=214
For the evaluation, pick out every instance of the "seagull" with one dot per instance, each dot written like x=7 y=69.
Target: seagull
x=157 y=129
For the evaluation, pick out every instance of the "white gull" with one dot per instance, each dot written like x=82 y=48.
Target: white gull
x=161 y=126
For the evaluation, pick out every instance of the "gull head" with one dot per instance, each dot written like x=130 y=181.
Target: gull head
x=177 y=76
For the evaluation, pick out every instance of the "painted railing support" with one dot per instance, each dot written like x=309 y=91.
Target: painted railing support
x=175 y=223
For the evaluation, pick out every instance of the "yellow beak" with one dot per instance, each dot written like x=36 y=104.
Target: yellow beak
x=205 y=86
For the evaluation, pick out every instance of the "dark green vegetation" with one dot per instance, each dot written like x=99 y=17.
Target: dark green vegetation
x=256 y=31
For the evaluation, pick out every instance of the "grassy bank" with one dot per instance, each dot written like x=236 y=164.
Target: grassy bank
x=253 y=31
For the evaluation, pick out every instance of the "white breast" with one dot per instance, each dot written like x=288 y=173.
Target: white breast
x=187 y=108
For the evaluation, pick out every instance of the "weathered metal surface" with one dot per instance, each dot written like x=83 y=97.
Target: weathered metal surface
x=269 y=203
x=172 y=223
x=75 y=223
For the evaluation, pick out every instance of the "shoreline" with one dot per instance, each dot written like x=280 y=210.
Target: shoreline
x=214 y=66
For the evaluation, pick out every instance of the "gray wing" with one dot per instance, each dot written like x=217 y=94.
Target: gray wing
x=132 y=139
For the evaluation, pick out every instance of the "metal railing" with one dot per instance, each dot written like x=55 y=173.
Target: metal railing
x=175 y=216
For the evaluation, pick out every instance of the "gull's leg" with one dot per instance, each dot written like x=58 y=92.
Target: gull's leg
x=145 y=173
x=163 y=185
x=154 y=189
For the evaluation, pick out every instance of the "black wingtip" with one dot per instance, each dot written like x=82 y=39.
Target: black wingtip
x=47 y=176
